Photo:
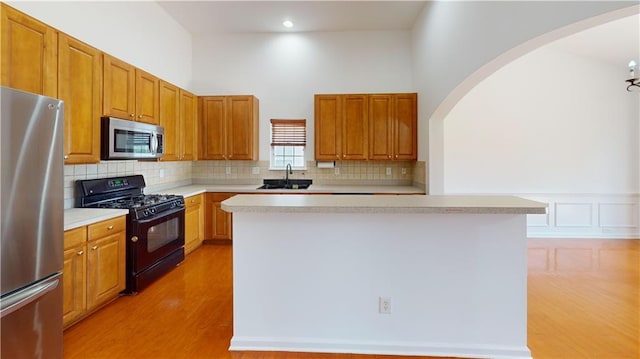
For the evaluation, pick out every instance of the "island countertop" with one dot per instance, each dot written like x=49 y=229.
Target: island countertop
x=383 y=204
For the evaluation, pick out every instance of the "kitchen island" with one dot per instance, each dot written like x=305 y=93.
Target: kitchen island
x=409 y=275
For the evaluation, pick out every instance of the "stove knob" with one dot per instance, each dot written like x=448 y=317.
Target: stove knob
x=134 y=239
x=152 y=210
x=179 y=203
x=146 y=212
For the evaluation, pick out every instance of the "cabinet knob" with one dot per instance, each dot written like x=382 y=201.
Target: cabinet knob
x=139 y=116
x=94 y=248
x=132 y=115
x=396 y=156
x=110 y=227
x=134 y=239
x=338 y=156
x=389 y=157
x=66 y=157
x=80 y=253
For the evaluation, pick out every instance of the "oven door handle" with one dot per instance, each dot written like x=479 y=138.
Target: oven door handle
x=162 y=215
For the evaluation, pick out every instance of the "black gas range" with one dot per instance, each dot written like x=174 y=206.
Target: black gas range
x=155 y=225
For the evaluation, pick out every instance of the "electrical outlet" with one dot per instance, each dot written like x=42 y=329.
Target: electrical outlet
x=384 y=305
x=255 y=170
x=161 y=173
x=388 y=171
x=337 y=171
x=404 y=171
x=228 y=170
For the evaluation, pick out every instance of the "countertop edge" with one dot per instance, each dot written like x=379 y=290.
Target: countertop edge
x=79 y=217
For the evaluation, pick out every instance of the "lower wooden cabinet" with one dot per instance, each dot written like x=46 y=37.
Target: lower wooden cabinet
x=217 y=222
x=194 y=222
x=94 y=267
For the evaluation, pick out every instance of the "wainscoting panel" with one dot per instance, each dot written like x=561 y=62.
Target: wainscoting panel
x=584 y=216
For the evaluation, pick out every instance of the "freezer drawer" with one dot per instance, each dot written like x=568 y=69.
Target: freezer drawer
x=31 y=321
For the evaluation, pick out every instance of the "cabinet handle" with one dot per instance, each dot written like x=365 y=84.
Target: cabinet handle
x=66 y=157
x=396 y=156
x=80 y=253
x=134 y=239
x=110 y=227
x=94 y=248
x=389 y=157
x=338 y=156
x=132 y=115
x=139 y=116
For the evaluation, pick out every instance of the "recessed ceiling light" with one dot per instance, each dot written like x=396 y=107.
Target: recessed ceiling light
x=287 y=23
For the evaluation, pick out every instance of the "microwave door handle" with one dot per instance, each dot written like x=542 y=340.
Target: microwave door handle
x=154 y=144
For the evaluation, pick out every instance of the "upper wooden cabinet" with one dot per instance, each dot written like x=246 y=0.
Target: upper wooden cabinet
x=29 y=58
x=393 y=127
x=341 y=127
x=170 y=120
x=370 y=126
x=130 y=93
x=178 y=117
x=188 y=126
x=229 y=127
x=80 y=87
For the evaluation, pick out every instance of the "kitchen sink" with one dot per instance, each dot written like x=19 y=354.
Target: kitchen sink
x=280 y=183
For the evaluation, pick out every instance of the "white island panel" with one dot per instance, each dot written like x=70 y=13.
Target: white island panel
x=310 y=281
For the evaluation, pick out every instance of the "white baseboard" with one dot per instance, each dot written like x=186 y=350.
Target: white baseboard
x=575 y=215
x=310 y=345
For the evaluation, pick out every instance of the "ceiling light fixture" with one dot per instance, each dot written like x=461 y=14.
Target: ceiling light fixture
x=634 y=85
x=287 y=23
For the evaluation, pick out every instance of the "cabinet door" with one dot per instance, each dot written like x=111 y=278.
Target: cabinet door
x=218 y=223
x=28 y=53
x=194 y=225
x=355 y=132
x=170 y=120
x=212 y=115
x=74 y=281
x=241 y=131
x=405 y=145
x=188 y=125
x=80 y=87
x=147 y=102
x=380 y=127
x=119 y=89
x=105 y=269
x=327 y=127
x=74 y=277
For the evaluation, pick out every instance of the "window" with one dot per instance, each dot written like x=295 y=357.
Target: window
x=288 y=140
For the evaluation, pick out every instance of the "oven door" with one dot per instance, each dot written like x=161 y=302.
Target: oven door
x=153 y=239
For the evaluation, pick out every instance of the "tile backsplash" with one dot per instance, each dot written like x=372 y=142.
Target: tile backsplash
x=159 y=175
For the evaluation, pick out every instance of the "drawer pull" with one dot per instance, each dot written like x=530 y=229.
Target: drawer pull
x=94 y=248
x=80 y=253
x=110 y=227
x=134 y=239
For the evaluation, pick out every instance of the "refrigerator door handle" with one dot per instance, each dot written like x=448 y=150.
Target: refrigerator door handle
x=25 y=297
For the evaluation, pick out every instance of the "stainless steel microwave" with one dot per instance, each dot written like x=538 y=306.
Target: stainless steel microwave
x=123 y=139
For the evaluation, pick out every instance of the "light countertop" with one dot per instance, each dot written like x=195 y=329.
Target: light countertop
x=313 y=189
x=384 y=204
x=78 y=217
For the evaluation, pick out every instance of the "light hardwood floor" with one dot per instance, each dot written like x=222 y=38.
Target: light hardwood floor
x=583 y=300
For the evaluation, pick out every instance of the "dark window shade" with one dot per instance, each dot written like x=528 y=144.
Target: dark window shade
x=288 y=132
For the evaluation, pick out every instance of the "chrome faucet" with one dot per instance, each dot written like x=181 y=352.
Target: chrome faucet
x=287 y=171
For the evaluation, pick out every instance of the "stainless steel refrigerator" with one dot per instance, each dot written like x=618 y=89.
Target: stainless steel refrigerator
x=31 y=246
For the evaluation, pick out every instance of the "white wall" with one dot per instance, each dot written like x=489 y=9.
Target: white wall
x=555 y=127
x=457 y=44
x=138 y=32
x=285 y=70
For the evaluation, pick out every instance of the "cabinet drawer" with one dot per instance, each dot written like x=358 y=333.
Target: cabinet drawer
x=106 y=228
x=193 y=200
x=75 y=237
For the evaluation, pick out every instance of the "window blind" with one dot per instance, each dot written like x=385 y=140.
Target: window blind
x=288 y=132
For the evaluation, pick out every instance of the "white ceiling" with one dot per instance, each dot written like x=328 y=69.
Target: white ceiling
x=203 y=17
x=616 y=42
